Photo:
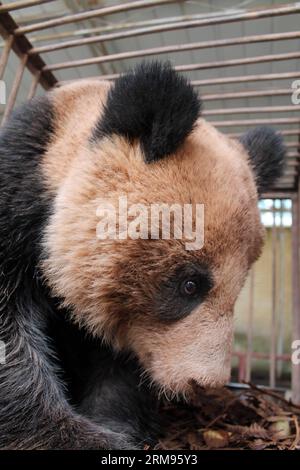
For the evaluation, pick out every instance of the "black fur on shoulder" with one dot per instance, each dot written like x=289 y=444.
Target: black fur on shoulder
x=23 y=202
x=152 y=103
x=266 y=150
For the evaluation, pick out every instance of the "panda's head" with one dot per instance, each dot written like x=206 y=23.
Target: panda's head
x=171 y=306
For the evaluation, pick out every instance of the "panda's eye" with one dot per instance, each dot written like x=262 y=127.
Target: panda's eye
x=189 y=288
x=184 y=290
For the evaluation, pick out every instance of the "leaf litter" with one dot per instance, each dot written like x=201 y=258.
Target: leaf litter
x=251 y=418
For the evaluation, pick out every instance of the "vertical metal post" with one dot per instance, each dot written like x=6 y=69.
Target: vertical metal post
x=5 y=54
x=296 y=292
x=250 y=327
x=274 y=298
x=15 y=88
x=281 y=296
x=34 y=85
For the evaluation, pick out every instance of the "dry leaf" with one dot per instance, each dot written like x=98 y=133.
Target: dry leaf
x=216 y=439
x=280 y=429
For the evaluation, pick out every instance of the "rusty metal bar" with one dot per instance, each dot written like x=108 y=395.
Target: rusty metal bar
x=286 y=133
x=284 y=187
x=293 y=144
x=119 y=8
x=251 y=15
x=296 y=292
x=277 y=195
x=292 y=162
x=15 y=88
x=261 y=109
x=250 y=327
x=273 y=339
x=21 y=46
x=179 y=68
x=210 y=81
x=247 y=78
x=22 y=4
x=236 y=62
x=254 y=122
x=281 y=292
x=285 y=179
x=245 y=94
x=291 y=171
x=165 y=49
x=5 y=54
x=34 y=85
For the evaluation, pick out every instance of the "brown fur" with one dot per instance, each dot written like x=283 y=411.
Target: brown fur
x=110 y=285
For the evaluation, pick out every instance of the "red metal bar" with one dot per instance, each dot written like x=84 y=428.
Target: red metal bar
x=164 y=49
x=22 y=4
x=119 y=8
x=257 y=109
x=179 y=68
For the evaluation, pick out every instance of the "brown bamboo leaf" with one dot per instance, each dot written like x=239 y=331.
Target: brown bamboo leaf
x=216 y=439
x=280 y=429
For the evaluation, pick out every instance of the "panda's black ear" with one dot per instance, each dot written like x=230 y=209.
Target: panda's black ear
x=151 y=103
x=266 y=151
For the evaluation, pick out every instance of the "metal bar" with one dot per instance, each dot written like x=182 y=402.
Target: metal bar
x=22 y=4
x=295 y=290
x=250 y=327
x=166 y=49
x=122 y=25
x=21 y=46
x=249 y=15
x=5 y=54
x=254 y=122
x=273 y=342
x=291 y=171
x=261 y=109
x=277 y=195
x=236 y=62
x=285 y=179
x=245 y=94
x=119 y=8
x=281 y=293
x=15 y=88
x=179 y=68
x=286 y=133
x=284 y=187
x=246 y=78
x=211 y=81
x=87 y=32
x=34 y=85
x=293 y=144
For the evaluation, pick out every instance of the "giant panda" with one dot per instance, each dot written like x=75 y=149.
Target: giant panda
x=96 y=329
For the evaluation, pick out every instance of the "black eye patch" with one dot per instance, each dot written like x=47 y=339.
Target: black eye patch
x=186 y=288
